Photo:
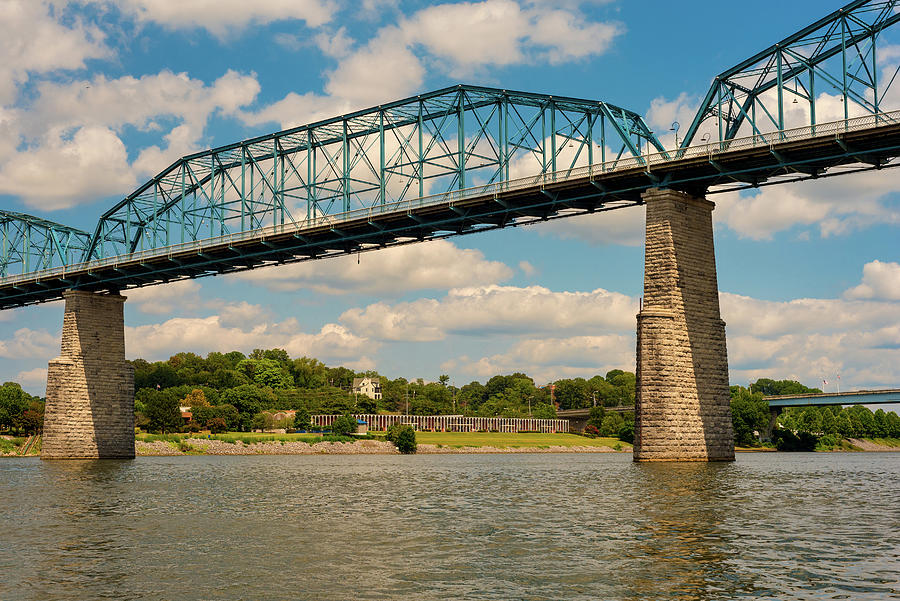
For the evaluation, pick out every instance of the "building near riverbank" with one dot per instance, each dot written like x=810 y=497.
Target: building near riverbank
x=453 y=423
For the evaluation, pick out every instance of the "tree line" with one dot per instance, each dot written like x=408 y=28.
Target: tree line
x=234 y=391
x=804 y=428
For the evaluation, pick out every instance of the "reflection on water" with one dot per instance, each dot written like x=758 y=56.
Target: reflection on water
x=534 y=527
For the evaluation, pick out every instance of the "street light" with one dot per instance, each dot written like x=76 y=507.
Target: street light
x=675 y=127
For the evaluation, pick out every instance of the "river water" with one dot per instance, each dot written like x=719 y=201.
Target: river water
x=526 y=526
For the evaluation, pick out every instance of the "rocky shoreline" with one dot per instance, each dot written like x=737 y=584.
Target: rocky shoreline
x=202 y=446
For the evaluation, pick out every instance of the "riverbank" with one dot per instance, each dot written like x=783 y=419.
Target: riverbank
x=203 y=446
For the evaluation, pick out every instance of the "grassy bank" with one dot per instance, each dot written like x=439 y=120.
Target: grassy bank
x=503 y=440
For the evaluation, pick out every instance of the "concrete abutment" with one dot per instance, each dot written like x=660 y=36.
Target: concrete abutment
x=683 y=410
x=90 y=386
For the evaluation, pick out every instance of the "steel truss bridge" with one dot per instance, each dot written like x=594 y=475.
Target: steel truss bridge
x=468 y=159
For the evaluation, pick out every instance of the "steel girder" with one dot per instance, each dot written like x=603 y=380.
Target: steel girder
x=449 y=139
x=32 y=244
x=839 y=54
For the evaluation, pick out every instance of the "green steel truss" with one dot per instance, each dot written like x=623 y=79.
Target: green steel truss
x=32 y=244
x=841 y=55
x=446 y=140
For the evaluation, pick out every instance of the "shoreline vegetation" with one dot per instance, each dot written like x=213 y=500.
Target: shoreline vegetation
x=429 y=443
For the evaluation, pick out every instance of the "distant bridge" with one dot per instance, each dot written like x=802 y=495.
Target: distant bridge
x=856 y=397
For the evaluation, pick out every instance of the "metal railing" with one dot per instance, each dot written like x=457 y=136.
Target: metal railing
x=646 y=161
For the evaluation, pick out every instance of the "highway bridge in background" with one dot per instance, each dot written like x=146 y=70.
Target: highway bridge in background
x=855 y=397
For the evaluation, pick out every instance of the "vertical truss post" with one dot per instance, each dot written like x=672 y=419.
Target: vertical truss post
x=345 y=151
x=310 y=175
x=243 y=188
x=780 y=86
x=844 y=69
x=812 y=99
x=382 y=175
x=590 y=139
x=181 y=212
x=504 y=138
x=212 y=194
x=603 y=142
x=461 y=139
x=421 y=162
x=553 y=138
x=281 y=186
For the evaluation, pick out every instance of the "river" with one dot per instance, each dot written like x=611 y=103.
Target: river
x=531 y=527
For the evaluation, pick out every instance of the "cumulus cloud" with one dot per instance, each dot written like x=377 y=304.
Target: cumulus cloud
x=623 y=226
x=806 y=339
x=225 y=17
x=30 y=344
x=33 y=41
x=547 y=359
x=33 y=378
x=761 y=214
x=395 y=60
x=437 y=265
x=491 y=310
x=167 y=298
x=332 y=342
x=880 y=280
x=93 y=162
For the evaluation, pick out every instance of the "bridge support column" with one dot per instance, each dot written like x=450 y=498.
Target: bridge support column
x=683 y=410
x=90 y=386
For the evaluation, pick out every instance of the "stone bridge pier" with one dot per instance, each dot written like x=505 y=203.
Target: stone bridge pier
x=683 y=410
x=90 y=386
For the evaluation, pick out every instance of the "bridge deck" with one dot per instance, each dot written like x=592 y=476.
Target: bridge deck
x=871 y=140
x=856 y=397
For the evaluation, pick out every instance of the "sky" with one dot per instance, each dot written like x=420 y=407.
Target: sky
x=97 y=96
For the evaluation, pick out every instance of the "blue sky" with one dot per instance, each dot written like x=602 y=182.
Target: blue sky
x=97 y=96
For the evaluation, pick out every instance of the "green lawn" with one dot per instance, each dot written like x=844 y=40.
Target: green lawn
x=511 y=439
x=447 y=439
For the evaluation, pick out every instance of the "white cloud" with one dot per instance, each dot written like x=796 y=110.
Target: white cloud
x=436 y=265
x=547 y=359
x=30 y=344
x=806 y=339
x=33 y=378
x=224 y=332
x=165 y=298
x=33 y=41
x=824 y=202
x=395 y=61
x=880 y=280
x=621 y=226
x=491 y=310
x=224 y=17
x=64 y=172
x=72 y=150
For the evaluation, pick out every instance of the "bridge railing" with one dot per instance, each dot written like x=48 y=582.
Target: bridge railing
x=646 y=162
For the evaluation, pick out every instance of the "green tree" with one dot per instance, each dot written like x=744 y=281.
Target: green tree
x=611 y=425
x=13 y=403
x=344 y=425
x=301 y=419
x=162 y=410
x=404 y=438
x=749 y=413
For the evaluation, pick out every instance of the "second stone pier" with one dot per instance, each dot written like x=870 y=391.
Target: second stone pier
x=90 y=386
x=683 y=410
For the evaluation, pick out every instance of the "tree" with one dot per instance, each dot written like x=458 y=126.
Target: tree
x=301 y=419
x=404 y=438
x=13 y=403
x=344 y=425
x=309 y=373
x=162 y=410
x=611 y=425
x=443 y=379
x=595 y=417
x=749 y=413
x=195 y=399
